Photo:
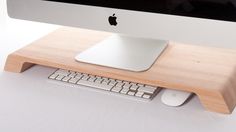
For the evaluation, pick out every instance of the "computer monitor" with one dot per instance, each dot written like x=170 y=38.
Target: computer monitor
x=143 y=27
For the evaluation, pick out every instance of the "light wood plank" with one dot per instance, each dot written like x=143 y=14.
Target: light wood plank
x=208 y=72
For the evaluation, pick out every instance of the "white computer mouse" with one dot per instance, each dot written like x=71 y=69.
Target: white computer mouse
x=174 y=97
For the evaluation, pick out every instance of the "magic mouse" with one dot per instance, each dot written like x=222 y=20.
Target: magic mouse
x=174 y=97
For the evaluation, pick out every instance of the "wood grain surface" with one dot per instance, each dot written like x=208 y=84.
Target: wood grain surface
x=208 y=72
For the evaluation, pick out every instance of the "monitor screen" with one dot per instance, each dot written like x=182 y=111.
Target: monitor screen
x=210 y=9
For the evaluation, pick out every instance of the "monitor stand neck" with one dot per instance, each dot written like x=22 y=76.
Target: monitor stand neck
x=124 y=52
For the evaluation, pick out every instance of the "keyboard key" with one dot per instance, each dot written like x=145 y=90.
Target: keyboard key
x=148 y=86
x=139 y=94
x=140 y=85
x=131 y=93
x=124 y=90
x=84 y=82
x=134 y=87
x=146 y=96
x=92 y=84
x=127 y=86
x=116 y=89
x=53 y=76
x=147 y=89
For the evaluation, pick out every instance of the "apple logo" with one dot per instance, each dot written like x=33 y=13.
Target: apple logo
x=112 y=20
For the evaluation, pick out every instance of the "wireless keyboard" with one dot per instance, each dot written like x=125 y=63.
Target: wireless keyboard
x=108 y=84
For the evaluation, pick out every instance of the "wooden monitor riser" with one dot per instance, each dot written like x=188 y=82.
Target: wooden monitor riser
x=208 y=72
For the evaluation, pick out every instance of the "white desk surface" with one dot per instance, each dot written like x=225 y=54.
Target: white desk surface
x=31 y=103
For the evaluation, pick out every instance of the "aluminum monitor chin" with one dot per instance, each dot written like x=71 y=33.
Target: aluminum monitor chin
x=160 y=19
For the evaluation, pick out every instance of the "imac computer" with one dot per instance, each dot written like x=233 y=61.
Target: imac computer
x=143 y=28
